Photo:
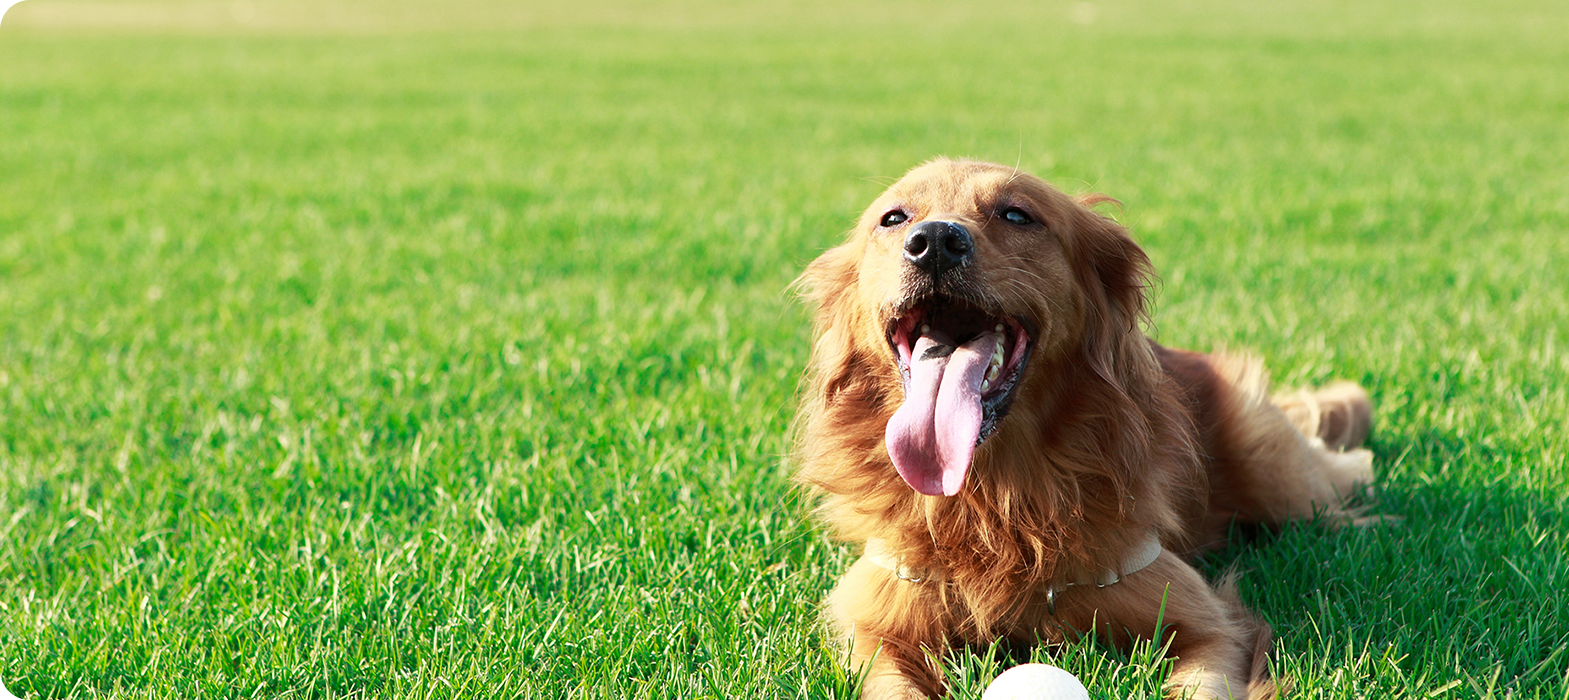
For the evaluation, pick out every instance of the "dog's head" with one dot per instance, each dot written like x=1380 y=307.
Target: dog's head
x=965 y=290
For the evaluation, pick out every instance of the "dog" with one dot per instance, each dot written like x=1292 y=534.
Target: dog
x=984 y=411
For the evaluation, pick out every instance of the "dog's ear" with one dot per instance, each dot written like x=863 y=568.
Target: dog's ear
x=827 y=280
x=829 y=284
x=1115 y=274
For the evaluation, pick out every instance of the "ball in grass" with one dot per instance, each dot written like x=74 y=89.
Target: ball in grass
x=1036 y=682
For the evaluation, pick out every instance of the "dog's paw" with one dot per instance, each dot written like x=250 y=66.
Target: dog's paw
x=890 y=686
x=1351 y=473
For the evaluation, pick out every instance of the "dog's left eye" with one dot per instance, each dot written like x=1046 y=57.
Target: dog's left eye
x=1017 y=216
x=894 y=218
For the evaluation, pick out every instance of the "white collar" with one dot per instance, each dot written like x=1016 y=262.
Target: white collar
x=1135 y=560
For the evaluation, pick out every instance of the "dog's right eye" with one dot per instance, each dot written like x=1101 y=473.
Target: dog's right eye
x=894 y=218
x=1017 y=216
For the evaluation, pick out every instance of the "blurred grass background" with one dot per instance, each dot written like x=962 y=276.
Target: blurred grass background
x=400 y=349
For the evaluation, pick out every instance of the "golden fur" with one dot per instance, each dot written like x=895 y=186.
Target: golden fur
x=1108 y=436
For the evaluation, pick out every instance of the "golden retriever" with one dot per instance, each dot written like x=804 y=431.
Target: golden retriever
x=985 y=413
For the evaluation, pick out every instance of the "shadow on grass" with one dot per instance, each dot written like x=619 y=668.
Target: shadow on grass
x=1464 y=586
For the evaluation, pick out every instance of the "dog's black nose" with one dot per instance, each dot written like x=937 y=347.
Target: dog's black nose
x=936 y=246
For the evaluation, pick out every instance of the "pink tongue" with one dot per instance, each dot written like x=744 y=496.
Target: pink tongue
x=931 y=438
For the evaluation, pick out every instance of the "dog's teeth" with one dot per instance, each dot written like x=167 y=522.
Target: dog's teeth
x=925 y=328
x=999 y=328
x=994 y=368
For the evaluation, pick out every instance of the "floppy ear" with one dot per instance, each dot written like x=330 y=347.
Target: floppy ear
x=826 y=281
x=1114 y=272
x=829 y=285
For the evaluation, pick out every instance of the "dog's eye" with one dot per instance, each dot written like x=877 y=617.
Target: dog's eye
x=894 y=218
x=1017 y=216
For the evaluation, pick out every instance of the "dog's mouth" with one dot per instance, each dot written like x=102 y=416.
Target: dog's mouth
x=961 y=367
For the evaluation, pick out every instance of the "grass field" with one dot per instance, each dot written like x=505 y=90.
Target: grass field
x=421 y=350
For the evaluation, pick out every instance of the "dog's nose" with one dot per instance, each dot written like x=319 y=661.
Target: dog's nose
x=936 y=246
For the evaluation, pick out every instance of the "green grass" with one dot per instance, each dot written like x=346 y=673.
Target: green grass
x=423 y=351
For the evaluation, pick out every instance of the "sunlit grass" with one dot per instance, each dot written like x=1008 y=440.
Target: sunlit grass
x=386 y=352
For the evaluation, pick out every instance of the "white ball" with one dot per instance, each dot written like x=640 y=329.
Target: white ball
x=1036 y=682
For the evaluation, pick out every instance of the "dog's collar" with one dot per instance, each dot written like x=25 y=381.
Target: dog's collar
x=1137 y=559
x=877 y=553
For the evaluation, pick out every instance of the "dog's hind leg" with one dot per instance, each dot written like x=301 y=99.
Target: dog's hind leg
x=1288 y=458
x=1339 y=414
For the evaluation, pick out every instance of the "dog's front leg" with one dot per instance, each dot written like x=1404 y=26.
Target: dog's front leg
x=892 y=671
x=1219 y=647
x=894 y=629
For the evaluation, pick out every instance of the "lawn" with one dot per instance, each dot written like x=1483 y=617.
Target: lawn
x=400 y=349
